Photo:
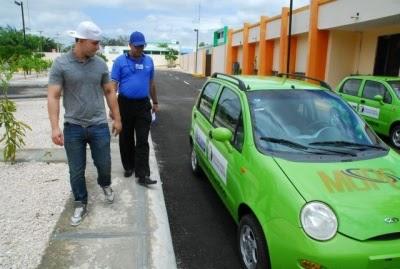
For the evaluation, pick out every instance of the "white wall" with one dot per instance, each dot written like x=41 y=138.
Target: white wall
x=300 y=22
x=340 y=13
x=240 y=57
x=275 y=62
x=341 y=55
x=254 y=34
x=301 y=53
x=218 y=59
x=237 y=38
x=273 y=29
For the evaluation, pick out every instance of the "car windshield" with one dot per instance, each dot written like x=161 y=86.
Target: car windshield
x=395 y=84
x=308 y=122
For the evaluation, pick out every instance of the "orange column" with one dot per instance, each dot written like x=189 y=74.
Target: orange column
x=246 y=68
x=293 y=54
x=229 y=53
x=283 y=40
x=317 y=45
x=262 y=48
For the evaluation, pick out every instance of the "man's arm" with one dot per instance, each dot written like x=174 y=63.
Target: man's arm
x=53 y=107
x=111 y=97
x=153 y=94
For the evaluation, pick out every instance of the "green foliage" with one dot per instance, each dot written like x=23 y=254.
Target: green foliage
x=171 y=56
x=163 y=45
x=101 y=55
x=13 y=137
x=12 y=44
x=119 y=41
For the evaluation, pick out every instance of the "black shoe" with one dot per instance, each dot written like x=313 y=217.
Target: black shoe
x=146 y=181
x=128 y=173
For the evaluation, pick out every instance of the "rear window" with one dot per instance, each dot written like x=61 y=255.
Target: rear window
x=395 y=84
x=351 y=87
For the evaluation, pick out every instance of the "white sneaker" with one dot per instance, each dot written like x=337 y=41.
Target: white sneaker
x=80 y=213
x=108 y=194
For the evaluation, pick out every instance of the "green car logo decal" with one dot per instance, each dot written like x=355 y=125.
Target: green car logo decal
x=356 y=179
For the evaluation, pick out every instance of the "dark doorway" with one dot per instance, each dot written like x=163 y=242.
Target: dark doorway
x=208 y=65
x=387 y=60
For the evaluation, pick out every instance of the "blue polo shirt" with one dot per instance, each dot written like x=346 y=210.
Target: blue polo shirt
x=133 y=75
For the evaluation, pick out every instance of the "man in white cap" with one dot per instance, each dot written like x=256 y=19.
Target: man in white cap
x=83 y=79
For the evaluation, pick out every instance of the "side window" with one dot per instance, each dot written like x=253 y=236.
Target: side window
x=350 y=87
x=229 y=115
x=207 y=99
x=373 y=88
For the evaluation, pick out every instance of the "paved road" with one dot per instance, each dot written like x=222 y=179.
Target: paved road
x=203 y=233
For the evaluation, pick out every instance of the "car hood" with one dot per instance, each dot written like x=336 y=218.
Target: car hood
x=365 y=195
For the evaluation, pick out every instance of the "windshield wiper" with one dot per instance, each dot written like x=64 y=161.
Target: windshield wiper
x=303 y=147
x=346 y=144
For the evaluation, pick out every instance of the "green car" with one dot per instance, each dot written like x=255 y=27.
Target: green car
x=377 y=100
x=308 y=182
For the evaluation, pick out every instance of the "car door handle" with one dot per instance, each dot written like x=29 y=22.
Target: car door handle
x=195 y=115
x=362 y=101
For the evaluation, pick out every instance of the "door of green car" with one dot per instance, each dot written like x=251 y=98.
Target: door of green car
x=201 y=120
x=376 y=113
x=226 y=157
x=349 y=91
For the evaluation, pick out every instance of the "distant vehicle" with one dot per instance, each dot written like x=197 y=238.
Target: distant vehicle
x=308 y=182
x=377 y=100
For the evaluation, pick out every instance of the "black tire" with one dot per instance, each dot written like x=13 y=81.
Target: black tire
x=252 y=244
x=194 y=162
x=395 y=136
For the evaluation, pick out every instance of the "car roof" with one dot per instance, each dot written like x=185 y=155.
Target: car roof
x=271 y=83
x=380 y=78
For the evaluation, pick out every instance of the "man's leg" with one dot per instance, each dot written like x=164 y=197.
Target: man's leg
x=99 y=141
x=142 y=129
x=75 y=147
x=127 y=137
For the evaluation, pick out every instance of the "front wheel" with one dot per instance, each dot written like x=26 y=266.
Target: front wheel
x=395 y=136
x=252 y=244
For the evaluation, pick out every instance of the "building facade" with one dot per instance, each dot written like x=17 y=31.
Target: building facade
x=330 y=39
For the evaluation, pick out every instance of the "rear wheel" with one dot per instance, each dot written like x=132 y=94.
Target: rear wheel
x=395 y=136
x=252 y=244
x=194 y=161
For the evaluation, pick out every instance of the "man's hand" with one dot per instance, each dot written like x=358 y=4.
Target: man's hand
x=57 y=137
x=116 y=127
x=155 y=108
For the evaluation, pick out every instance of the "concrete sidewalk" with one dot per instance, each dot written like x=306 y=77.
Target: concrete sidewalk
x=133 y=232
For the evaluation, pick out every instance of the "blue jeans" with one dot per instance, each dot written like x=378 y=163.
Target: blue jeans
x=75 y=139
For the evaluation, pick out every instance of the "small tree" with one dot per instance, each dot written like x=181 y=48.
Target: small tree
x=171 y=56
x=14 y=129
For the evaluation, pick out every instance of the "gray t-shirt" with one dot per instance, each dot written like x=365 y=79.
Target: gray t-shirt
x=81 y=82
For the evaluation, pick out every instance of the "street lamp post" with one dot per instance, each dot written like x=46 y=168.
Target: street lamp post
x=197 y=48
x=21 y=4
x=289 y=36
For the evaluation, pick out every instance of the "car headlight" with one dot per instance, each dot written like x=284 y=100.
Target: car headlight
x=319 y=221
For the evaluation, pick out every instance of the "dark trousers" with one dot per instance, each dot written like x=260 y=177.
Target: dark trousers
x=133 y=139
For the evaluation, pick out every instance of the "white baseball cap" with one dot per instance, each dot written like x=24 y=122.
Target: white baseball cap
x=87 y=30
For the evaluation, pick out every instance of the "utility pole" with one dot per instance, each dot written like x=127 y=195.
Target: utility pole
x=197 y=48
x=289 y=36
x=21 y=4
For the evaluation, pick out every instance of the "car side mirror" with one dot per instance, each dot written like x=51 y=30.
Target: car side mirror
x=378 y=98
x=223 y=135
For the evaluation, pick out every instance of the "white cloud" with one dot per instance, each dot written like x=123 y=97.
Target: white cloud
x=158 y=19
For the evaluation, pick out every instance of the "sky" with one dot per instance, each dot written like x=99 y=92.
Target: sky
x=158 y=20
